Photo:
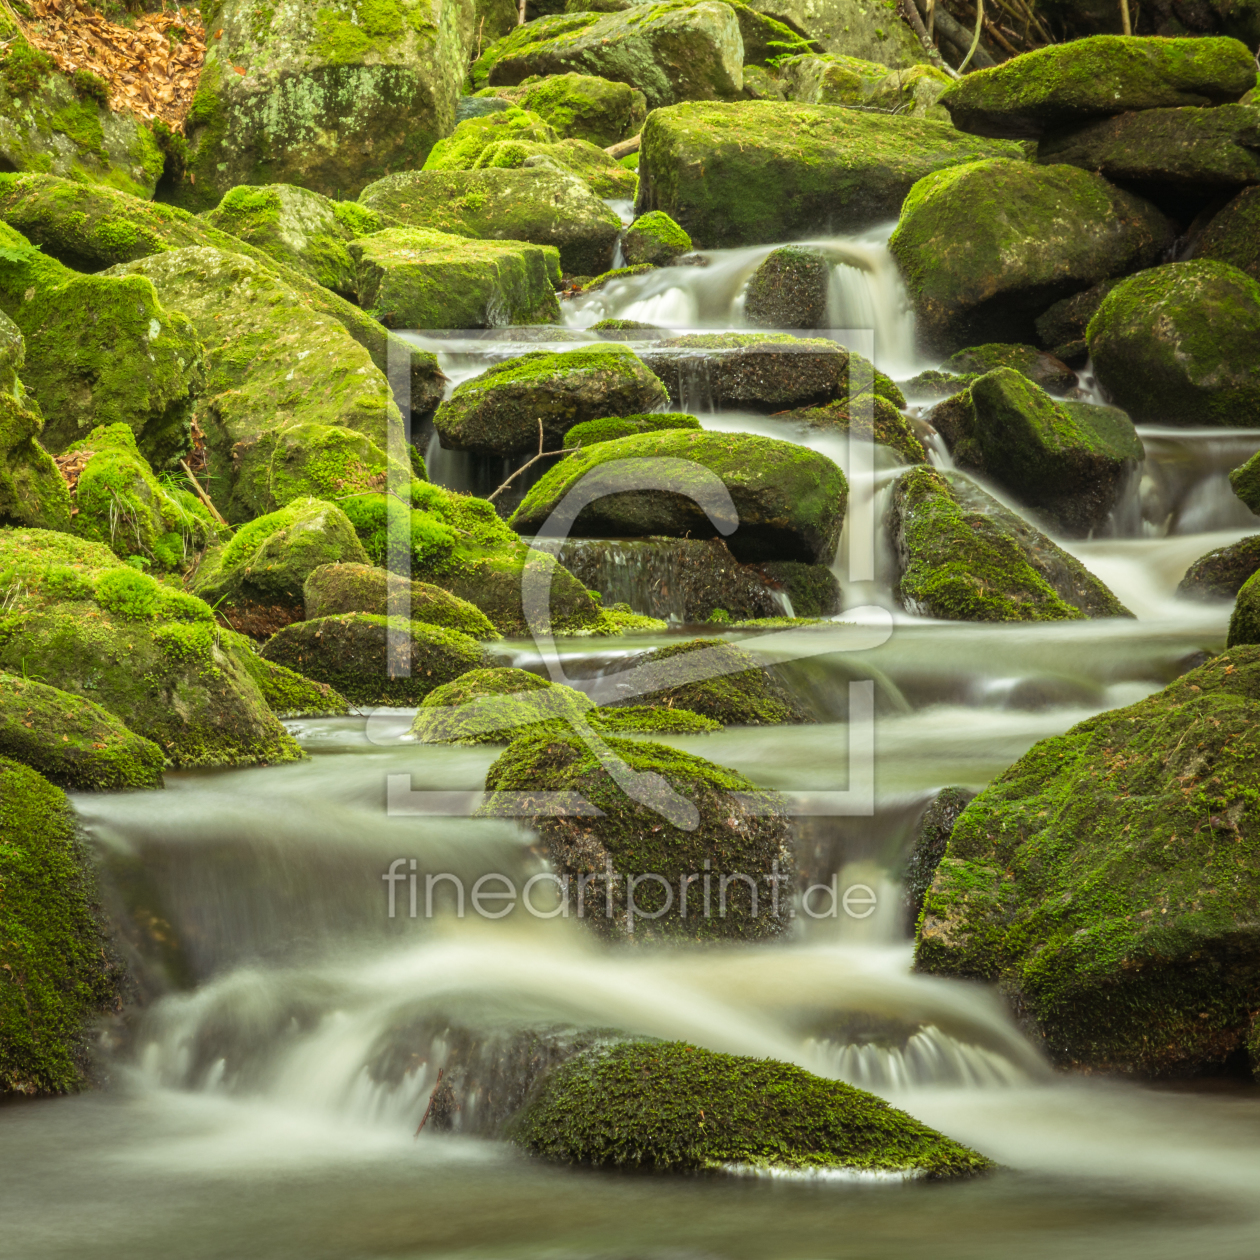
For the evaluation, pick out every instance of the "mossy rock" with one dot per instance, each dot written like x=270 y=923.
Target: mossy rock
x=351 y=653
x=624 y=325
x=1244 y=624
x=812 y=589
x=339 y=588
x=883 y=424
x=55 y=955
x=931 y=838
x=609 y=428
x=72 y=742
x=471 y=138
x=1038 y=366
x=654 y=238
x=829 y=79
x=845 y=27
x=1177 y=345
x=584 y=285
x=980 y=274
x=299 y=228
x=493 y=706
x=417 y=278
x=119 y=502
x=933 y=384
x=1220 y=574
x=963 y=557
x=288 y=694
x=256 y=580
x=646 y=719
x=790 y=289
x=1061 y=326
x=1233 y=235
x=790 y=500
x=499 y=411
x=635 y=1106
x=1074 y=82
x=759 y=172
x=1068 y=460
x=81 y=620
x=1245 y=481
x=536 y=204
x=739 y=830
x=100 y=350
x=1108 y=880
x=581 y=106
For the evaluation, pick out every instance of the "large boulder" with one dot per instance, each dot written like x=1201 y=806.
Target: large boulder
x=790 y=289
x=461 y=150
x=499 y=412
x=840 y=80
x=1221 y=573
x=963 y=557
x=1108 y=881
x=581 y=106
x=321 y=94
x=1084 y=79
x=418 y=278
x=537 y=204
x=850 y=28
x=985 y=248
x=1177 y=345
x=733 y=826
x=1244 y=627
x=100 y=350
x=1233 y=236
x=1068 y=460
x=760 y=172
x=790 y=500
x=60 y=971
x=83 y=621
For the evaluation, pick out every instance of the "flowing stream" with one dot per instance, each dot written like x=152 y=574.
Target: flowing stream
x=265 y=1100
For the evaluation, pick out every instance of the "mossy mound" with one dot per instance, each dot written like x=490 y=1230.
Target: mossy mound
x=608 y=428
x=740 y=831
x=580 y=106
x=1177 y=345
x=493 y=706
x=645 y=719
x=673 y=1107
x=830 y=79
x=790 y=289
x=790 y=500
x=57 y=971
x=288 y=694
x=933 y=384
x=71 y=741
x=624 y=325
x=499 y=411
x=1245 y=481
x=351 y=653
x=472 y=137
x=1082 y=79
x=963 y=557
x=654 y=238
x=883 y=424
x=1244 y=624
x=977 y=275
x=1037 y=365
x=1233 y=235
x=256 y=580
x=79 y=619
x=344 y=588
x=1220 y=574
x=1108 y=881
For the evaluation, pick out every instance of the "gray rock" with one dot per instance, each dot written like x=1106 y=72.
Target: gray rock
x=789 y=290
x=1220 y=574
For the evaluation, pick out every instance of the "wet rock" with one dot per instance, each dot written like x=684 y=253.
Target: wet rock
x=975 y=276
x=1069 y=460
x=1245 y=481
x=963 y=557
x=72 y=742
x=789 y=289
x=1244 y=624
x=1107 y=881
x=1233 y=236
x=328 y=100
x=790 y=500
x=499 y=411
x=1039 y=367
x=883 y=424
x=734 y=827
x=933 y=384
x=580 y=106
x=1176 y=345
x=417 y=278
x=535 y=204
x=494 y=706
x=812 y=589
x=634 y=1107
x=765 y=171
x=931 y=836
x=654 y=238
x=1220 y=574
x=1061 y=327
x=912 y=92
x=1085 y=79
x=53 y=940
x=608 y=428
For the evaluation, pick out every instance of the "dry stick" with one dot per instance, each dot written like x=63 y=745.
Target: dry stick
x=568 y=450
x=623 y=148
x=424 y=1119
x=1124 y=17
x=520 y=17
x=975 y=43
x=201 y=494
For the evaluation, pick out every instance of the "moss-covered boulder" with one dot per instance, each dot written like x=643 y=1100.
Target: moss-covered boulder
x=963 y=557
x=100 y=350
x=288 y=694
x=79 y=619
x=471 y=138
x=828 y=79
x=339 y=588
x=1244 y=623
x=331 y=98
x=49 y=123
x=877 y=420
x=1084 y=79
x=293 y=406
x=1233 y=235
x=654 y=238
x=493 y=706
x=537 y=204
x=1245 y=481
x=811 y=589
x=54 y=953
x=256 y=580
x=673 y=1107
x=1220 y=573
x=418 y=278
x=789 y=289
x=927 y=847
x=608 y=428
x=759 y=172
x=580 y=106
x=351 y=652
x=1108 y=880
x=71 y=741
x=1177 y=345
x=1068 y=460
x=735 y=828
x=790 y=500
x=499 y=411
x=986 y=247
x=849 y=28
x=1038 y=366
x=299 y=228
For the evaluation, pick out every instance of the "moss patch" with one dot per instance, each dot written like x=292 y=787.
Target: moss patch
x=608 y=428
x=493 y=706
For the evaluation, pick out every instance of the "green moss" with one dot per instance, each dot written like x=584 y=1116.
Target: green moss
x=936 y=384
x=1244 y=624
x=1233 y=236
x=25 y=67
x=608 y=428
x=287 y=693
x=581 y=106
x=812 y=588
x=493 y=706
x=655 y=238
x=469 y=140
x=1245 y=481
x=646 y=719
x=1221 y=573
x=888 y=427
x=617 y=273
x=673 y=1107
x=32 y=489
x=1039 y=367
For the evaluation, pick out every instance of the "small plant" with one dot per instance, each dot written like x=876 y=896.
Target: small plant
x=90 y=87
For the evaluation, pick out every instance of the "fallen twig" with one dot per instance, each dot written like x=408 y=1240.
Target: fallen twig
x=424 y=1119
x=568 y=450
x=623 y=148
x=201 y=494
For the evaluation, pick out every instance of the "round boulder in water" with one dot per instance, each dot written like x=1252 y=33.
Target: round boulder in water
x=789 y=289
x=1221 y=573
x=654 y=238
x=493 y=706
